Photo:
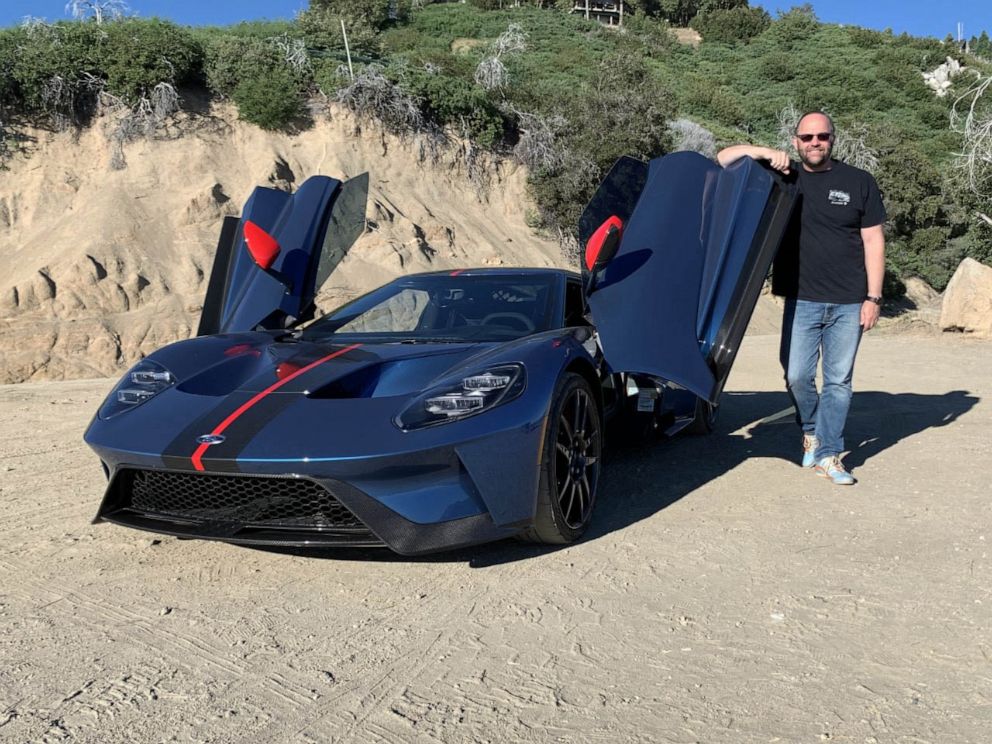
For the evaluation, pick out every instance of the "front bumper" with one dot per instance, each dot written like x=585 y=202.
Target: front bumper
x=289 y=511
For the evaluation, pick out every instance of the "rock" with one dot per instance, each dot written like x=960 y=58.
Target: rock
x=967 y=302
x=919 y=292
x=940 y=79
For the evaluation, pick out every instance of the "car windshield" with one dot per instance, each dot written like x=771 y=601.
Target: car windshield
x=446 y=308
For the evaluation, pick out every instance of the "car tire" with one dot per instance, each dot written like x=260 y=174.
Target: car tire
x=704 y=419
x=570 y=464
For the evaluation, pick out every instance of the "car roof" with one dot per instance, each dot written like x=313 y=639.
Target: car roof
x=501 y=271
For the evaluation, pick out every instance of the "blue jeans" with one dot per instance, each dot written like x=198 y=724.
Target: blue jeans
x=809 y=329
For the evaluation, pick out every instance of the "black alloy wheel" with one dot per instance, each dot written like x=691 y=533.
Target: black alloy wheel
x=570 y=464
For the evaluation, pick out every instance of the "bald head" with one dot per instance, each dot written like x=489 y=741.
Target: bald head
x=814 y=140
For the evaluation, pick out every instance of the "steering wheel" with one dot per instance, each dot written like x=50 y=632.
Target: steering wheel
x=517 y=321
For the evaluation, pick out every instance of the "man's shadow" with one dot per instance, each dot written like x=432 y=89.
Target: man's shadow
x=638 y=482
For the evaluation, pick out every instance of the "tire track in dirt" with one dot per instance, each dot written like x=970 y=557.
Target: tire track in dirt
x=182 y=649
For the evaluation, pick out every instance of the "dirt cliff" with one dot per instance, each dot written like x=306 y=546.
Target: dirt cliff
x=99 y=267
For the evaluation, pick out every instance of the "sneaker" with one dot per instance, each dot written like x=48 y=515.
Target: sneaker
x=832 y=468
x=810 y=443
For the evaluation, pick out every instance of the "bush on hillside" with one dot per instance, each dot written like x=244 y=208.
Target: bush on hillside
x=678 y=12
x=136 y=55
x=269 y=99
x=230 y=61
x=374 y=13
x=373 y=95
x=267 y=79
x=688 y=135
x=57 y=71
x=623 y=111
x=363 y=20
x=54 y=72
x=457 y=103
x=731 y=26
x=653 y=36
x=794 y=27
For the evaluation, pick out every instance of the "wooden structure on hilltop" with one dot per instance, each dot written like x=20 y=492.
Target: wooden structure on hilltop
x=607 y=12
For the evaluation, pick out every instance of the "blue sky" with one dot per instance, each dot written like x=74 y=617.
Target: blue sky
x=917 y=17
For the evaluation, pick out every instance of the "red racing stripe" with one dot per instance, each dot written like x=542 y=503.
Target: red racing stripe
x=196 y=458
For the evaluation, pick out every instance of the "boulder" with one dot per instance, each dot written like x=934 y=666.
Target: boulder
x=919 y=292
x=967 y=302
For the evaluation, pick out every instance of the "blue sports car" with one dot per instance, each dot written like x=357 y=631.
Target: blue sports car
x=442 y=409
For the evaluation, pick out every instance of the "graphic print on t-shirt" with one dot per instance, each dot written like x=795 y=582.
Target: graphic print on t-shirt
x=840 y=198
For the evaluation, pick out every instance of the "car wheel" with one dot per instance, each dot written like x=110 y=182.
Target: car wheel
x=570 y=464
x=705 y=417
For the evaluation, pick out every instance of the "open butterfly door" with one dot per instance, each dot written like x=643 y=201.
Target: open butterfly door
x=271 y=261
x=696 y=242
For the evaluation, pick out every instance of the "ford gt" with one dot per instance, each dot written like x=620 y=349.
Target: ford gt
x=443 y=409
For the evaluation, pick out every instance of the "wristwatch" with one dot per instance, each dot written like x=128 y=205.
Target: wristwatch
x=877 y=299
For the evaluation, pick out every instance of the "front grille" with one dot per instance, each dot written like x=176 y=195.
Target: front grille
x=248 y=500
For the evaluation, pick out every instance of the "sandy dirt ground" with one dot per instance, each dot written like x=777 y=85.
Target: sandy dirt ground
x=724 y=594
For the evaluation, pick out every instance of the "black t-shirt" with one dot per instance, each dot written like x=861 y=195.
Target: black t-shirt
x=822 y=257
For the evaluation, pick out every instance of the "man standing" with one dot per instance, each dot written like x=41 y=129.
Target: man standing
x=830 y=271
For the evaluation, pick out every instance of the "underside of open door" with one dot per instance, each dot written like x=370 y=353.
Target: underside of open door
x=697 y=243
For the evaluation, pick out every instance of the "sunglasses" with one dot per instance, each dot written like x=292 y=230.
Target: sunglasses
x=820 y=136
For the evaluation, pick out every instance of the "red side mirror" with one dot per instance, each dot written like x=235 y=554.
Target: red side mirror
x=603 y=244
x=262 y=246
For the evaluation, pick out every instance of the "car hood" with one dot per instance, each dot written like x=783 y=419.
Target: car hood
x=278 y=364
x=262 y=397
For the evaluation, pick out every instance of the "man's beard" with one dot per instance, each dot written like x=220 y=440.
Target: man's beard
x=827 y=152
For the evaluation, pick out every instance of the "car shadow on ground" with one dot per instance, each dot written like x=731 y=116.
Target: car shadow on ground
x=639 y=481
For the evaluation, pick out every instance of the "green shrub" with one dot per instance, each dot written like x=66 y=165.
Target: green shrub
x=57 y=70
x=269 y=99
x=49 y=66
x=322 y=29
x=458 y=103
x=730 y=26
x=622 y=111
x=136 y=55
x=777 y=67
x=230 y=61
x=793 y=28
x=373 y=13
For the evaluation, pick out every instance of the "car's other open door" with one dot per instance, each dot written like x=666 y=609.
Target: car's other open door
x=696 y=242
x=271 y=262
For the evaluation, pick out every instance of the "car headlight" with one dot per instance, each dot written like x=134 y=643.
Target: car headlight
x=467 y=396
x=143 y=381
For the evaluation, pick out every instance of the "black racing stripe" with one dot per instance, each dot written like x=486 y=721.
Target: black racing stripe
x=246 y=428
x=220 y=457
x=184 y=444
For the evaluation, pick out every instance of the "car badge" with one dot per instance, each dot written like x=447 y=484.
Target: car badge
x=210 y=439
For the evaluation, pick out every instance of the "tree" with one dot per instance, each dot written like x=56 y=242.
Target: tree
x=981 y=46
x=678 y=12
x=98 y=10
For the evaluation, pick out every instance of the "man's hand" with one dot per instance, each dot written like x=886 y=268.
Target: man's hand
x=869 y=315
x=777 y=159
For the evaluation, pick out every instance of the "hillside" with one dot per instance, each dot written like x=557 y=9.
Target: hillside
x=100 y=267
x=123 y=144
